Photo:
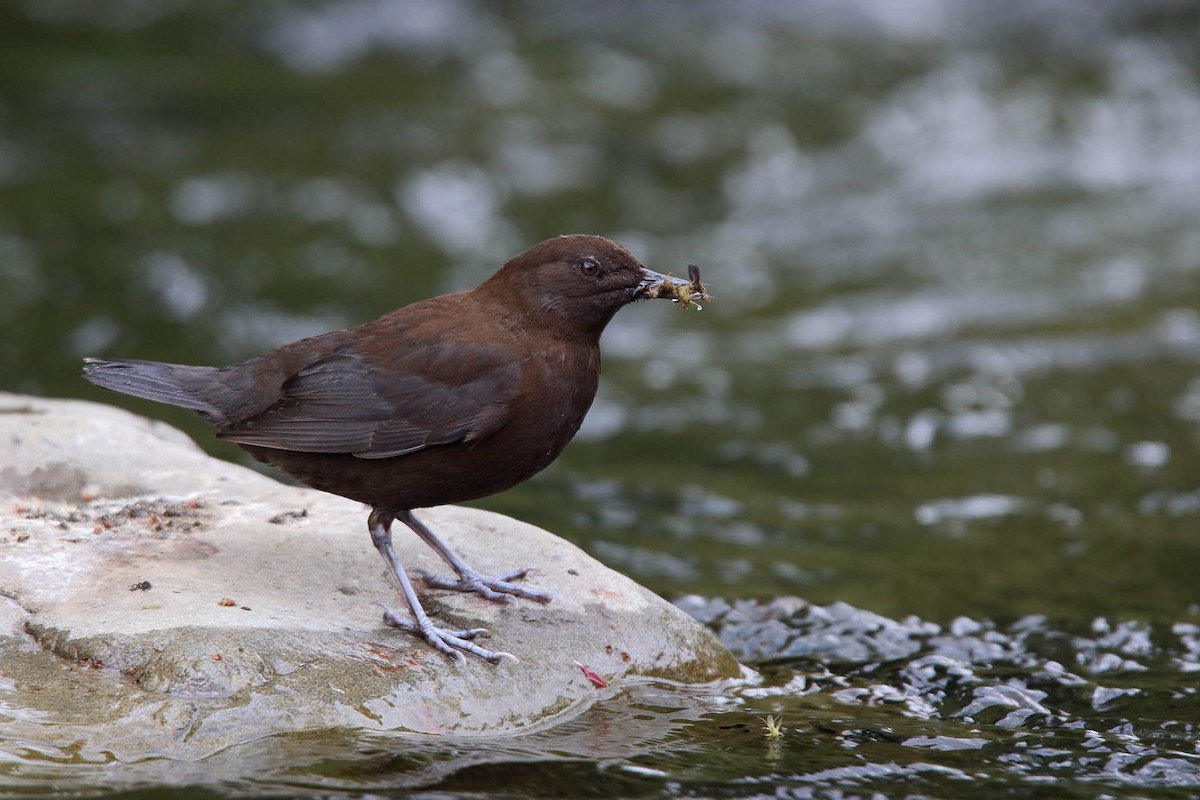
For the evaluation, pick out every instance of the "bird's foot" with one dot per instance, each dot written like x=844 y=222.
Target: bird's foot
x=498 y=588
x=452 y=643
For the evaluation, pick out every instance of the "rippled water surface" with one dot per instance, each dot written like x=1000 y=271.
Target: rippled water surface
x=948 y=391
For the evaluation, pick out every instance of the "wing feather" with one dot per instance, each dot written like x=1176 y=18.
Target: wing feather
x=343 y=402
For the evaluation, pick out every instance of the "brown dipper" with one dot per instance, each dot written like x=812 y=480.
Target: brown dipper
x=446 y=400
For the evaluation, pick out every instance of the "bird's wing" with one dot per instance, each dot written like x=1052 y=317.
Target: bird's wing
x=426 y=394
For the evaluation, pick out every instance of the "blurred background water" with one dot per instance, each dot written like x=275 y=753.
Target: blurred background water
x=950 y=372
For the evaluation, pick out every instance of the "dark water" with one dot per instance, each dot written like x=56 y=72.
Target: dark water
x=950 y=377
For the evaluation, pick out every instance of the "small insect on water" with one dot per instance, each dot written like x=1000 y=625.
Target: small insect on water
x=773 y=728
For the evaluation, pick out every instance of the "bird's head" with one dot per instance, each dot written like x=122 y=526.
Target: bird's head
x=575 y=283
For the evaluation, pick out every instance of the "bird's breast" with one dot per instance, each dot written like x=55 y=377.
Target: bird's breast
x=564 y=381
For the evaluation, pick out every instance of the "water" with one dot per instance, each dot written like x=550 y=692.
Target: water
x=949 y=378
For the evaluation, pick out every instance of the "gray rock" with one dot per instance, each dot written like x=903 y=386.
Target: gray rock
x=259 y=615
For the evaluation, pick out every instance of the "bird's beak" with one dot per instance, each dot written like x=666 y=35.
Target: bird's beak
x=655 y=284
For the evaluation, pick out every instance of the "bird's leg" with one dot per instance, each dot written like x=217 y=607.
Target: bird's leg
x=493 y=587
x=452 y=643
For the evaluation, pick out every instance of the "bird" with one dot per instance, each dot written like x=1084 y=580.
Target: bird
x=446 y=400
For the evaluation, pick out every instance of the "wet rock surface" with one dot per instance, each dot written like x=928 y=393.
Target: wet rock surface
x=157 y=602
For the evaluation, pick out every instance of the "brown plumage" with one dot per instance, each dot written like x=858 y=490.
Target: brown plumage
x=446 y=400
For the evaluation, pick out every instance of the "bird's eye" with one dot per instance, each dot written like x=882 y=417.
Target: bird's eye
x=589 y=268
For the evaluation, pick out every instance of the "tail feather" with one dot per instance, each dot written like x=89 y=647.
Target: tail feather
x=174 y=384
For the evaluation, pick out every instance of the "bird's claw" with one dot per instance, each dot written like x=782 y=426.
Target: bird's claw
x=497 y=588
x=451 y=642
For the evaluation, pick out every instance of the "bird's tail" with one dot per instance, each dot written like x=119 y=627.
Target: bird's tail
x=175 y=384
